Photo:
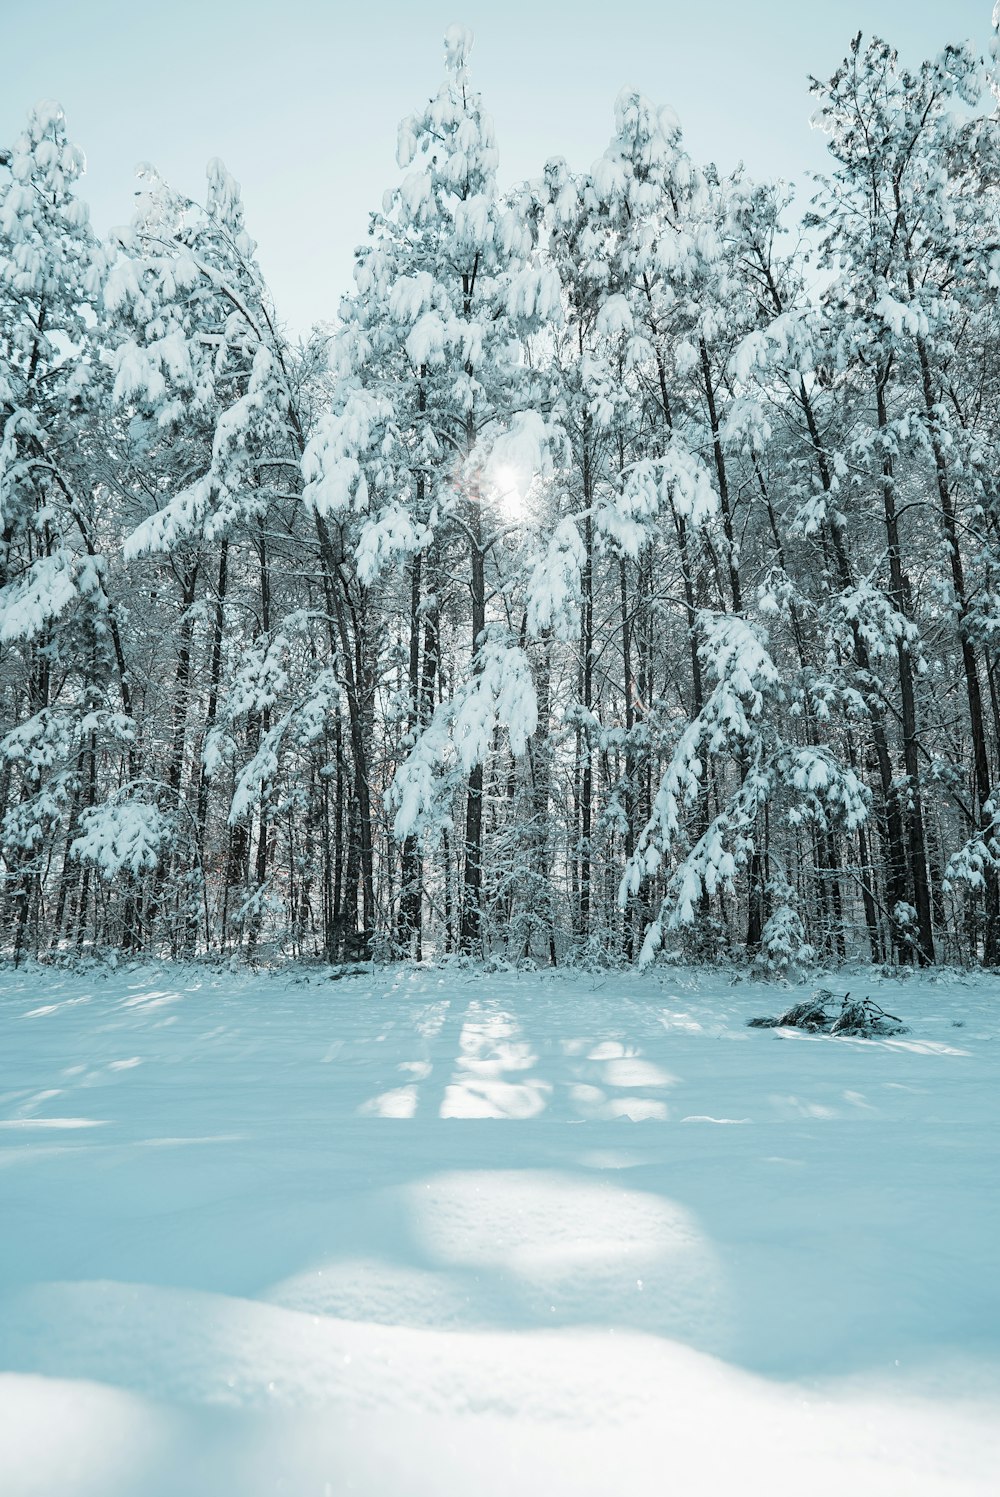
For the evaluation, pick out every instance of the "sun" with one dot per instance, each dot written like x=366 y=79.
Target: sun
x=510 y=491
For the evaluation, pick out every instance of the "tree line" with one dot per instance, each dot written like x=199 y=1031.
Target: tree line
x=618 y=573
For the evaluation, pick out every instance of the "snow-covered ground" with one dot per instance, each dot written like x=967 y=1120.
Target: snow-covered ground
x=435 y=1234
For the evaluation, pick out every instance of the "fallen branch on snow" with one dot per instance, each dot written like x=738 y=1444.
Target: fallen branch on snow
x=857 y=1017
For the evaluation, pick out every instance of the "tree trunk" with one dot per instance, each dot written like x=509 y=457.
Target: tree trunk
x=899 y=592
x=471 y=927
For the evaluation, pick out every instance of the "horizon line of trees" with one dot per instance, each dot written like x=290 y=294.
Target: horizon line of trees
x=598 y=584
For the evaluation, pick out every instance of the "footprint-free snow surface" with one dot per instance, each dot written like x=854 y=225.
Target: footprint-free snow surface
x=433 y=1234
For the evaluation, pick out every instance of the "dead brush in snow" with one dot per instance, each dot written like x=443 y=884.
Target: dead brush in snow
x=857 y=1017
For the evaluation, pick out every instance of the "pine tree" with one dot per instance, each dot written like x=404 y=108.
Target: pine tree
x=426 y=416
x=65 y=679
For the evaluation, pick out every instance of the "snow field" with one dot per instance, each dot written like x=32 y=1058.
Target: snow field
x=431 y=1232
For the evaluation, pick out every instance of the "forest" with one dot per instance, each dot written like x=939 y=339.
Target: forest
x=619 y=575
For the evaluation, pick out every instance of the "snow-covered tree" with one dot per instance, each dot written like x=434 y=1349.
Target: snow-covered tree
x=432 y=417
x=65 y=684
x=599 y=581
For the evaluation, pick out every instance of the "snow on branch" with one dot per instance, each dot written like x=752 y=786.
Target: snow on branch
x=501 y=694
x=123 y=837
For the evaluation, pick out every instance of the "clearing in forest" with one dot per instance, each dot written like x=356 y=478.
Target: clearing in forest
x=432 y=1232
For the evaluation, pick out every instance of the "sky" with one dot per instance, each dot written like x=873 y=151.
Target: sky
x=302 y=98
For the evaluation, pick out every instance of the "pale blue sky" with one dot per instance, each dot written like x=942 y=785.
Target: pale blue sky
x=301 y=99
